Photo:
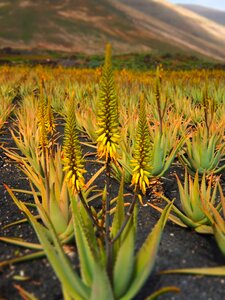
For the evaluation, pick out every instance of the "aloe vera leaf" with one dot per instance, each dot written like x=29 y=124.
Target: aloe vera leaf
x=101 y=287
x=118 y=216
x=187 y=221
x=171 y=157
x=23 y=258
x=162 y=291
x=184 y=199
x=94 y=177
x=213 y=271
x=145 y=257
x=157 y=161
x=20 y=242
x=171 y=217
x=59 y=262
x=204 y=229
x=86 y=256
x=196 y=204
x=19 y=221
x=25 y=192
x=124 y=265
x=68 y=234
x=220 y=238
x=56 y=255
x=55 y=214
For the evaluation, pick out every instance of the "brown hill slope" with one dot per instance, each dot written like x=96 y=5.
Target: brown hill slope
x=85 y=25
x=215 y=15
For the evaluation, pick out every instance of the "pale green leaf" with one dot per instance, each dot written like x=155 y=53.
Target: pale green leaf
x=146 y=256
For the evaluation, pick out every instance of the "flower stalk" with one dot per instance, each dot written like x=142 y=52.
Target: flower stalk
x=141 y=155
x=73 y=159
x=108 y=139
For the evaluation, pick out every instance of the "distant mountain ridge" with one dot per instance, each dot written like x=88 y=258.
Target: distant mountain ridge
x=130 y=25
x=215 y=15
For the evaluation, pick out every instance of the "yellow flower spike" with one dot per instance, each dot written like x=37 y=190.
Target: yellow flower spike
x=141 y=153
x=72 y=159
x=107 y=114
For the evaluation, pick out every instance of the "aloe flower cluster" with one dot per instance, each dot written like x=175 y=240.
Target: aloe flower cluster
x=72 y=155
x=107 y=114
x=141 y=155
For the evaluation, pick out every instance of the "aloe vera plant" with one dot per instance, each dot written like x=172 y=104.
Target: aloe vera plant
x=161 y=154
x=217 y=222
x=6 y=106
x=203 y=153
x=129 y=270
x=195 y=197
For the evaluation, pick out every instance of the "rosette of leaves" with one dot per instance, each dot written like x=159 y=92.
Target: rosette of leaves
x=6 y=106
x=217 y=221
x=33 y=132
x=162 y=149
x=44 y=169
x=54 y=186
x=51 y=198
x=203 y=153
x=129 y=270
x=161 y=156
x=195 y=197
x=107 y=113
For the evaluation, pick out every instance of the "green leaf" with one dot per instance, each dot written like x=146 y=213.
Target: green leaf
x=124 y=265
x=55 y=254
x=55 y=214
x=86 y=256
x=101 y=287
x=118 y=216
x=171 y=217
x=146 y=255
x=22 y=258
x=20 y=242
x=220 y=238
x=162 y=291
x=204 y=229
x=214 y=271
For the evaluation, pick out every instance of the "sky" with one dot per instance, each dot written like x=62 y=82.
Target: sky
x=219 y=4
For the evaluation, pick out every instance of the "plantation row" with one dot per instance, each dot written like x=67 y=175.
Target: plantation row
x=137 y=125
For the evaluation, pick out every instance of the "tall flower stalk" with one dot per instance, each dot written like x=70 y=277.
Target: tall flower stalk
x=44 y=110
x=73 y=159
x=72 y=154
x=108 y=138
x=141 y=155
x=107 y=113
x=140 y=163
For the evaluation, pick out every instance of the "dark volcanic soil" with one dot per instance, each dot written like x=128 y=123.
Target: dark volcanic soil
x=179 y=248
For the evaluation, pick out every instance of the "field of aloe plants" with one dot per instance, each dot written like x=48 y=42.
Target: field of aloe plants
x=112 y=184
